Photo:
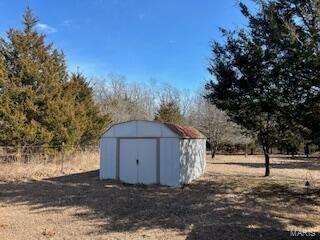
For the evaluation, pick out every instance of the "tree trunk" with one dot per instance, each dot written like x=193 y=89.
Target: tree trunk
x=267 y=161
x=267 y=164
x=213 y=150
x=246 y=151
x=306 y=150
x=266 y=148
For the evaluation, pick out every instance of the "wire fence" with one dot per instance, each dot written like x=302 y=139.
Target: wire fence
x=40 y=153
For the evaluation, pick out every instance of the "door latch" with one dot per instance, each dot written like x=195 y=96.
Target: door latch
x=137 y=161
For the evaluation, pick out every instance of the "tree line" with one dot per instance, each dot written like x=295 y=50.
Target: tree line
x=264 y=88
x=43 y=104
x=124 y=101
x=266 y=76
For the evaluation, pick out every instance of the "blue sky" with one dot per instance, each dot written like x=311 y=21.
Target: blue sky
x=165 y=40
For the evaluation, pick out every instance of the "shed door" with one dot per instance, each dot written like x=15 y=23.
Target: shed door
x=147 y=155
x=127 y=161
x=138 y=159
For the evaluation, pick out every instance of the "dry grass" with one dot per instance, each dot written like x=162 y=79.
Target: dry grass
x=232 y=201
x=282 y=167
x=72 y=163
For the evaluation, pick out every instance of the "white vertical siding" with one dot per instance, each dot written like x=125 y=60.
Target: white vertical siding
x=128 y=129
x=147 y=155
x=192 y=159
x=166 y=132
x=128 y=155
x=169 y=161
x=109 y=133
x=145 y=152
x=148 y=129
x=108 y=152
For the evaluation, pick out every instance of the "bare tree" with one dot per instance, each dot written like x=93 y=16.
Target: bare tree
x=124 y=101
x=211 y=122
x=215 y=125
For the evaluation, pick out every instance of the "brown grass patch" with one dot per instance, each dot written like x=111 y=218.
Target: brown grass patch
x=232 y=201
x=35 y=169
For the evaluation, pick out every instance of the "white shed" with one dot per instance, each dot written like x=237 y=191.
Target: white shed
x=150 y=152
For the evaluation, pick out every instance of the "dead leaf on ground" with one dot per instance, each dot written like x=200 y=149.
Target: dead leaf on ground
x=48 y=233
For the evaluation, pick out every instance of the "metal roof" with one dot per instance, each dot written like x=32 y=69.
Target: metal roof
x=182 y=131
x=185 y=131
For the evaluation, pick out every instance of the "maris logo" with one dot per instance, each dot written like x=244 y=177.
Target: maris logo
x=301 y=233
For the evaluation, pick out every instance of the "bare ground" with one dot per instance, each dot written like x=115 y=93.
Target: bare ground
x=232 y=201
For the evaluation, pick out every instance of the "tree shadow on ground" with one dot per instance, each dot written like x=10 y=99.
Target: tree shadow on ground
x=210 y=208
x=284 y=163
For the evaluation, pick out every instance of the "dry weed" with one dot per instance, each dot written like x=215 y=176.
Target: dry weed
x=34 y=169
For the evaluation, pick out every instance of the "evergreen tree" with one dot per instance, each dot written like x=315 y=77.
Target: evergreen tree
x=246 y=86
x=291 y=141
x=14 y=107
x=296 y=30
x=169 y=112
x=3 y=76
x=267 y=75
x=36 y=73
x=36 y=105
x=92 y=123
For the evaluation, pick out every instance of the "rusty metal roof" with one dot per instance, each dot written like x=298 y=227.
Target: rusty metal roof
x=185 y=131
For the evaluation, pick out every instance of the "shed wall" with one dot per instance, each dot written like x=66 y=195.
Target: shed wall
x=108 y=154
x=192 y=159
x=169 y=161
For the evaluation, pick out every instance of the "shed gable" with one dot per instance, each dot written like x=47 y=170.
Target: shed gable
x=139 y=128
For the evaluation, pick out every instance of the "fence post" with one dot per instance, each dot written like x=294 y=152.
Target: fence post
x=246 y=150
x=62 y=157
